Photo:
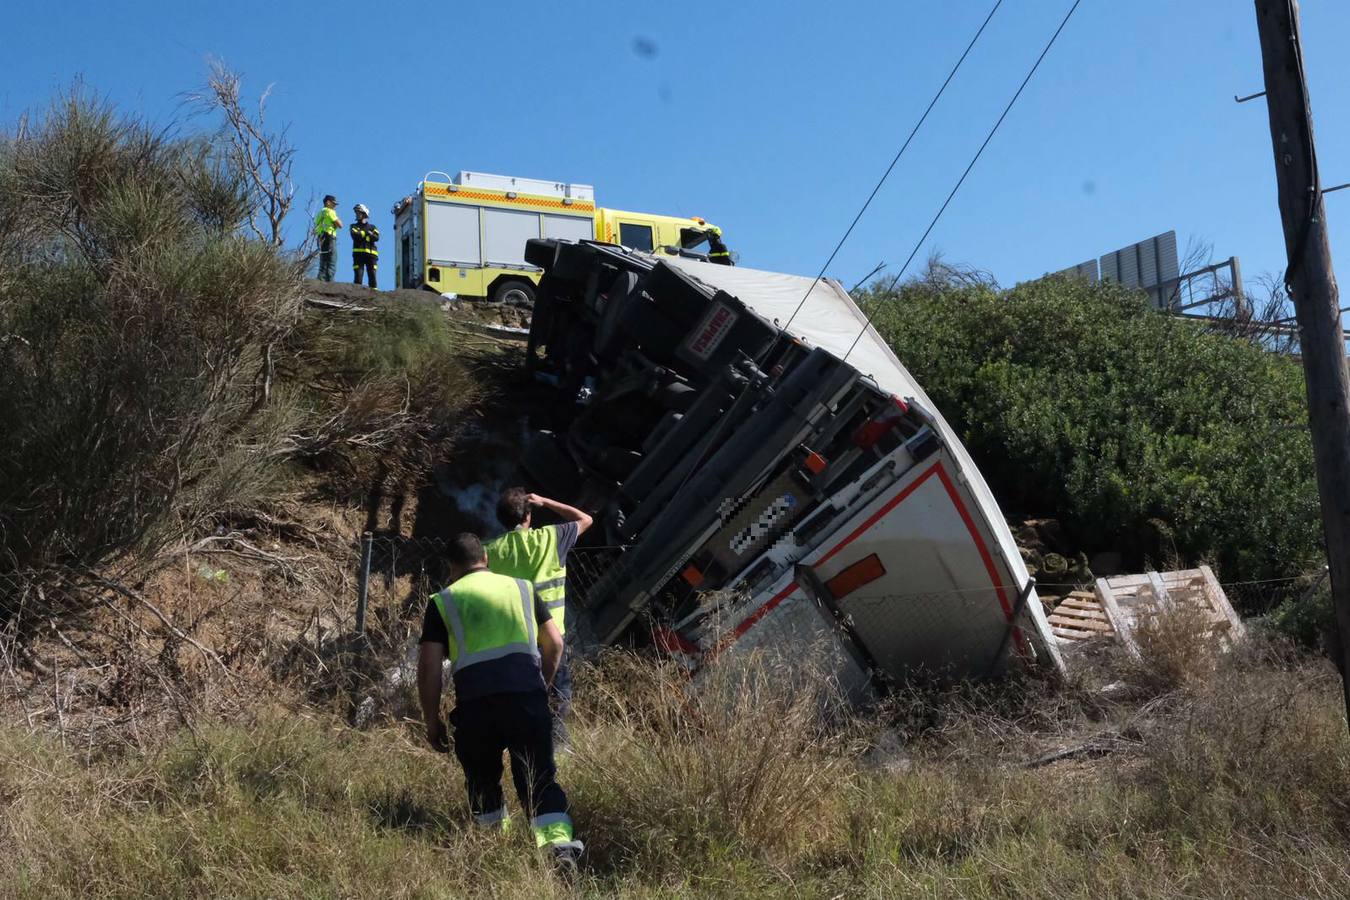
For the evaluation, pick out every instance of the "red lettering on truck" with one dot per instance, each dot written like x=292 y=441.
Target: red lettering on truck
x=711 y=331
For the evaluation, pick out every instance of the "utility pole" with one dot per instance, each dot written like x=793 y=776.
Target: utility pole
x=1312 y=286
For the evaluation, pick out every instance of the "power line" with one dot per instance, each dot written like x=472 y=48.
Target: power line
x=887 y=174
x=978 y=153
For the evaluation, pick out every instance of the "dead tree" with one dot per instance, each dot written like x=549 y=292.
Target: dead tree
x=265 y=157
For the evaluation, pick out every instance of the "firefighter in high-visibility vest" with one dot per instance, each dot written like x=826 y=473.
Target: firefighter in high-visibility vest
x=326 y=225
x=365 y=253
x=504 y=650
x=539 y=555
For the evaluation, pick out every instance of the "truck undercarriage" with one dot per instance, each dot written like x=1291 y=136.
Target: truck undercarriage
x=755 y=489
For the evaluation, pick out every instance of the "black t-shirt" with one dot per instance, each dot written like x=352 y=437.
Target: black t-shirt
x=508 y=675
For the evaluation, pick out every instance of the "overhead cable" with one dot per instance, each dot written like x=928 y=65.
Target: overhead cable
x=976 y=158
x=881 y=181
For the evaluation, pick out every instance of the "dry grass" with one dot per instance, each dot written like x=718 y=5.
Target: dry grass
x=735 y=764
x=1235 y=786
x=753 y=781
x=1178 y=646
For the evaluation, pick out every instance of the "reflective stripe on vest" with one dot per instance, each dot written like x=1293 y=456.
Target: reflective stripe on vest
x=532 y=554
x=507 y=597
x=325 y=223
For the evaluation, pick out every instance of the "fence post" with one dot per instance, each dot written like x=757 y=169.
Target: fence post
x=363 y=581
x=1016 y=613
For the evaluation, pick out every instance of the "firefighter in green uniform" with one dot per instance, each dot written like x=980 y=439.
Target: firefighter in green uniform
x=539 y=555
x=365 y=255
x=326 y=225
x=504 y=650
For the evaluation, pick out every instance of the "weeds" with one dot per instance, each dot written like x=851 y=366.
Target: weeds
x=387 y=387
x=1238 y=790
x=1178 y=646
x=740 y=763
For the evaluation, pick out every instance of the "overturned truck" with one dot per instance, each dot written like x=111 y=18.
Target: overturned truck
x=766 y=473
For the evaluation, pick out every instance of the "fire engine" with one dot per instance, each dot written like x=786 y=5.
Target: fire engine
x=466 y=235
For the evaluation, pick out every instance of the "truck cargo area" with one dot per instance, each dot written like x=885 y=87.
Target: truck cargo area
x=765 y=485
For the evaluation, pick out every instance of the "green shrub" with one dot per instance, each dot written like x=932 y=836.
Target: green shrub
x=1307 y=616
x=1143 y=432
x=134 y=319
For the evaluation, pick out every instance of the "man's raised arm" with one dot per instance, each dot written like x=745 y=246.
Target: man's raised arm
x=563 y=511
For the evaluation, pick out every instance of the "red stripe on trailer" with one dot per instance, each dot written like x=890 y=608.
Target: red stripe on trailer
x=762 y=611
x=969 y=521
x=880 y=514
x=671 y=641
x=985 y=555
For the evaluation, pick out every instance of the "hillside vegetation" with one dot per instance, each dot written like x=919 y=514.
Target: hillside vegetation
x=1142 y=432
x=160 y=379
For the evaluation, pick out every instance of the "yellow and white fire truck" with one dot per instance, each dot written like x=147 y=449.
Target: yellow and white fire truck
x=466 y=235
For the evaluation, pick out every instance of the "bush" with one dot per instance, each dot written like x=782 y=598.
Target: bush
x=133 y=322
x=1143 y=432
x=1307 y=616
x=387 y=385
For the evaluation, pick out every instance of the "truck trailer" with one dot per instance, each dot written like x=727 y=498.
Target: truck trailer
x=466 y=235
x=767 y=475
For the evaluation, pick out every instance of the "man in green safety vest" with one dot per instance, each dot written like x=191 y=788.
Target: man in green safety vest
x=326 y=225
x=504 y=650
x=539 y=555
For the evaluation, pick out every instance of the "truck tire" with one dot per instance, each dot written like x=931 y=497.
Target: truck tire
x=515 y=292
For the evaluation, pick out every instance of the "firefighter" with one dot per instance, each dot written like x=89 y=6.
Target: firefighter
x=365 y=255
x=717 y=249
x=539 y=555
x=326 y=225
x=504 y=650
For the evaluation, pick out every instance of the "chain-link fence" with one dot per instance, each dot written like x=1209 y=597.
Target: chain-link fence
x=396 y=574
x=972 y=632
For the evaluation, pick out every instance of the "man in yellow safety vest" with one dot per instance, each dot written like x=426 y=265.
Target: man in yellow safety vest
x=326 y=225
x=504 y=650
x=539 y=555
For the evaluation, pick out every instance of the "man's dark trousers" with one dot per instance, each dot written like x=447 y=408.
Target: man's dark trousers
x=521 y=724
x=327 y=256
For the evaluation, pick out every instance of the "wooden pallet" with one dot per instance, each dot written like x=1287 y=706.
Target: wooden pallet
x=1125 y=597
x=1080 y=617
x=1114 y=608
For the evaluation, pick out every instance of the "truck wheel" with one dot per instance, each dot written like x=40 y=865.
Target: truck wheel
x=515 y=293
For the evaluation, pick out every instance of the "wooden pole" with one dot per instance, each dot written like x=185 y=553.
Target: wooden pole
x=1312 y=286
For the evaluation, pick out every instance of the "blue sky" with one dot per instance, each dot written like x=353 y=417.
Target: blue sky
x=771 y=119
